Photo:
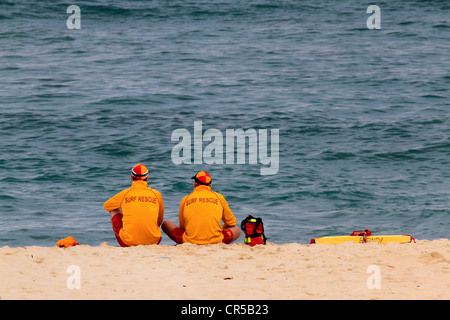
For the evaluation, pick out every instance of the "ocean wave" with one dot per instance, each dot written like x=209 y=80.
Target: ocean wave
x=336 y=155
x=424 y=153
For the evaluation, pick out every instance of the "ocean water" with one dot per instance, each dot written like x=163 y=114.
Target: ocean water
x=363 y=114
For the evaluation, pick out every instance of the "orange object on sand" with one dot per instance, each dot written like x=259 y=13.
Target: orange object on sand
x=67 y=242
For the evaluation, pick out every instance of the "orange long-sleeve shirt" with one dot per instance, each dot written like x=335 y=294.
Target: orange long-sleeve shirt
x=201 y=213
x=143 y=213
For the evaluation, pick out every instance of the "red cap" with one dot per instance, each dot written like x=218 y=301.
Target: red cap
x=202 y=178
x=139 y=172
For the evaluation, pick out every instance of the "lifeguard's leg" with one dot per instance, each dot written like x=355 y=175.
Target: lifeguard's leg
x=175 y=233
x=116 y=221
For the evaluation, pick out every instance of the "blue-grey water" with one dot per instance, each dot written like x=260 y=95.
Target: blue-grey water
x=363 y=114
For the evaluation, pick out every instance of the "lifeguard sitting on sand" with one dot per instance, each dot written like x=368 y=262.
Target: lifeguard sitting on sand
x=137 y=212
x=200 y=216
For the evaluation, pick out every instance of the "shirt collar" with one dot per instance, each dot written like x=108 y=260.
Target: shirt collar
x=202 y=187
x=139 y=183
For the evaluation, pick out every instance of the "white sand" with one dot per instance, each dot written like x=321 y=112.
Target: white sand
x=233 y=272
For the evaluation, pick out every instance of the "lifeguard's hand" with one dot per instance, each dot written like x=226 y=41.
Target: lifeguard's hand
x=115 y=211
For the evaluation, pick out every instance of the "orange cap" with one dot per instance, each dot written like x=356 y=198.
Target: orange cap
x=202 y=178
x=67 y=242
x=139 y=172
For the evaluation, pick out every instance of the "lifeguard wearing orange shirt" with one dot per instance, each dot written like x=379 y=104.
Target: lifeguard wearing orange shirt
x=200 y=216
x=137 y=212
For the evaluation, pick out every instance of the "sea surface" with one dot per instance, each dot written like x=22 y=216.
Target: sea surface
x=363 y=114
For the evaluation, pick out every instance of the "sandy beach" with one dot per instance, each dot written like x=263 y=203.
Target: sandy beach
x=229 y=272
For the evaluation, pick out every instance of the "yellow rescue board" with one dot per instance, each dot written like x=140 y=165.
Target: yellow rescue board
x=360 y=239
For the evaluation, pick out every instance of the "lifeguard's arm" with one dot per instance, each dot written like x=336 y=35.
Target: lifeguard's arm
x=181 y=220
x=115 y=202
x=227 y=216
x=161 y=207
